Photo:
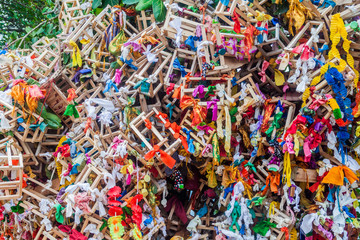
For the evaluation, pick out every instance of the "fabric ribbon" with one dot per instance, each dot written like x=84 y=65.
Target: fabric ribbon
x=178 y=65
x=265 y=65
x=336 y=176
x=205 y=128
x=42 y=126
x=110 y=84
x=215 y=108
x=71 y=110
x=118 y=74
x=76 y=56
x=275 y=124
x=222 y=93
x=135 y=46
x=199 y=90
x=279 y=78
x=166 y=158
x=179 y=208
x=272 y=182
x=227 y=129
x=210 y=91
x=171 y=107
x=191 y=147
x=249 y=39
x=325 y=232
x=71 y=95
x=148 y=124
x=170 y=88
x=286 y=231
x=120 y=147
x=58 y=215
x=78 y=74
x=176 y=128
x=237 y=25
x=287 y=169
x=4 y=122
x=151 y=57
x=198 y=114
x=129 y=63
x=145 y=86
x=292 y=129
x=216 y=150
x=176 y=24
x=263 y=227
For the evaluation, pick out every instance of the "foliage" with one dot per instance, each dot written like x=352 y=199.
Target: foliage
x=20 y=17
x=157 y=6
x=104 y=3
x=37 y=18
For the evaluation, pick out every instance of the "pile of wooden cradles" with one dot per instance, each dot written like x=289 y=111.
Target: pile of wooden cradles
x=229 y=120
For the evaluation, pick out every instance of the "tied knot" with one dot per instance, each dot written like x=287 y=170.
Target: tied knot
x=265 y=65
x=156 y=148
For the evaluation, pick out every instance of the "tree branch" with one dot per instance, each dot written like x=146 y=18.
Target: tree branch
x=57 y=4
x=12 y=30
x=24 y=37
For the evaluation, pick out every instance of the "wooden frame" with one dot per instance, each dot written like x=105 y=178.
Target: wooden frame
x=256 y=66
x=57 y=102
x=275 y=232
x=44 y=64
x=202 y=141
x=188 y=27
x=157 y=73
x=176 y=111
x=28 y=134
x=139 y=129
x=11 y=163
x=71 y=14
x=84 y=31
x=152 y=31
x=277 y=43
x=310 y=43
x=91 y=139
x=6 y=76
x=187 y=88
x=241 y=8
x=190 y=67
x=44 y=44
x=143 y=20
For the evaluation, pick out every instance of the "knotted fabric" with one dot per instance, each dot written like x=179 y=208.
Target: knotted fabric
x=198 y=114
x=265 y=65
x=166 y=158
x=76 y=56
x=336 y=176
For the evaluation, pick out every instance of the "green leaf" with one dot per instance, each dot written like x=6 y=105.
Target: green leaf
x=96 y=4
x=34 y=40
x=110 y=2
x=45 y=9
x=129 y=2
x=40 y=30
x=66 y=58
x=49 y=28
x=159 y=10
x=143 y=5
x=98 y=11
x=28 y=29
